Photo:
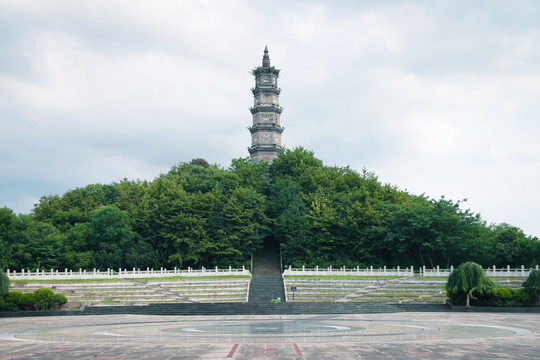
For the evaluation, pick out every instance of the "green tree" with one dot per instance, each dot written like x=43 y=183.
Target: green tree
x=7 y=219
x=513 y=247
x=532 y=284
x=111 y=237
x=4 y=283
x=467 y=279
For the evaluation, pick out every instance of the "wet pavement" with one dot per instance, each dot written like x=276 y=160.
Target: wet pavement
x=376 y=336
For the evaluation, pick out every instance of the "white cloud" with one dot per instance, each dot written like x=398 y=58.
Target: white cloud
x=434 y=97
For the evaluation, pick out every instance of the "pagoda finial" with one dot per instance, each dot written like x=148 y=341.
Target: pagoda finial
x=266 y=58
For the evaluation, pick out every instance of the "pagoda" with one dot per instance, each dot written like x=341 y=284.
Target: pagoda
x=266 y=129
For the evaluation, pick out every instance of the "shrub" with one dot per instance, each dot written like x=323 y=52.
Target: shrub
x=522 y=296
x=504 y=297
x=59 y=298
x=2 y=304
x=27 y=300
x=4 y=283
x=43 y=298
x=12 y=300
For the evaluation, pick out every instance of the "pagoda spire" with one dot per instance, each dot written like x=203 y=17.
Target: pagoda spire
x=266 y=58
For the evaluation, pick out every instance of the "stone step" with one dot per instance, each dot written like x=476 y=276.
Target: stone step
x=264 y=309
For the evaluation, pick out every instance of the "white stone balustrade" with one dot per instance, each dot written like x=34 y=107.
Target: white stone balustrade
x=402 y=272
x=41 y=274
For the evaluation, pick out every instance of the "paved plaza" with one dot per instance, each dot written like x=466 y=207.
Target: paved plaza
x=374 y=336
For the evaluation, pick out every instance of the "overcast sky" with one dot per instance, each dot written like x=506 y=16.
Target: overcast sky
x=435 y=97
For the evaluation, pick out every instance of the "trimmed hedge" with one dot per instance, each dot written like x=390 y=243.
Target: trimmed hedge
x=12 y=301
x=27 y=301
x=40 y=299
x=504 y=297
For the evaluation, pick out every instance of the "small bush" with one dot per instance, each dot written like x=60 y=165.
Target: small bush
x=522 y=296
x=504 y=297
x=2 y=304
x=13 y=297
x=59 y=298
x=27 y=301
x=12 y=300
x=43 y=298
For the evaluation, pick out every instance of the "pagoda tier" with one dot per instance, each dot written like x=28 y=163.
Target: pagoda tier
x=266 y=130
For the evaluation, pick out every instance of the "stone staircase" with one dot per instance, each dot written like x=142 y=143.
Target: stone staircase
x=318 y=308
x=266 y=281
x=321 y=289
x=133 y=292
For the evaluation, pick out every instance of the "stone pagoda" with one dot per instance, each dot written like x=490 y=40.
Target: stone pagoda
x=266 y=130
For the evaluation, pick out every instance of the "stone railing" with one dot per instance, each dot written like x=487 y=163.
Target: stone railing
x=491 y=272
x=402 y=272
x=349 y=272
x=121 y=273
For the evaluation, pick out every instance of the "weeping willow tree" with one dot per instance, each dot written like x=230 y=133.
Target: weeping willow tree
x=4 y=283
x=533 y=285
x=469 y=277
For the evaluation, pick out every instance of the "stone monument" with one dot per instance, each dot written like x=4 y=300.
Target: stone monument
x=266 y=129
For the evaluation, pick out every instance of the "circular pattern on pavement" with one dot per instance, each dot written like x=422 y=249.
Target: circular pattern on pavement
x=311 y=329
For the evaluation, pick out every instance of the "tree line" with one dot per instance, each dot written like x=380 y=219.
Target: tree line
x=199 y=214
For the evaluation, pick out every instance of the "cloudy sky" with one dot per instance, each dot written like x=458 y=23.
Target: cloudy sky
x=435 y=97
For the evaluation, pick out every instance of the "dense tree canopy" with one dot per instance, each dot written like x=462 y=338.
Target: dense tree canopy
x=199 y=214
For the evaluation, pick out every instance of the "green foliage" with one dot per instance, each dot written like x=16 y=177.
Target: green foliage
x=3 y=305
x=532 y=286
x=27 y=301
x=42 y=298
x=199 y=214
x=59 y=298
x=12 y=301
x=468 y=279
x=265 y=70
x=4 y=283
x=533 y=281
x=503 y=297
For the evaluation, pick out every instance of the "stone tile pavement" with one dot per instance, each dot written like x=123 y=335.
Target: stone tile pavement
x=377 y=336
